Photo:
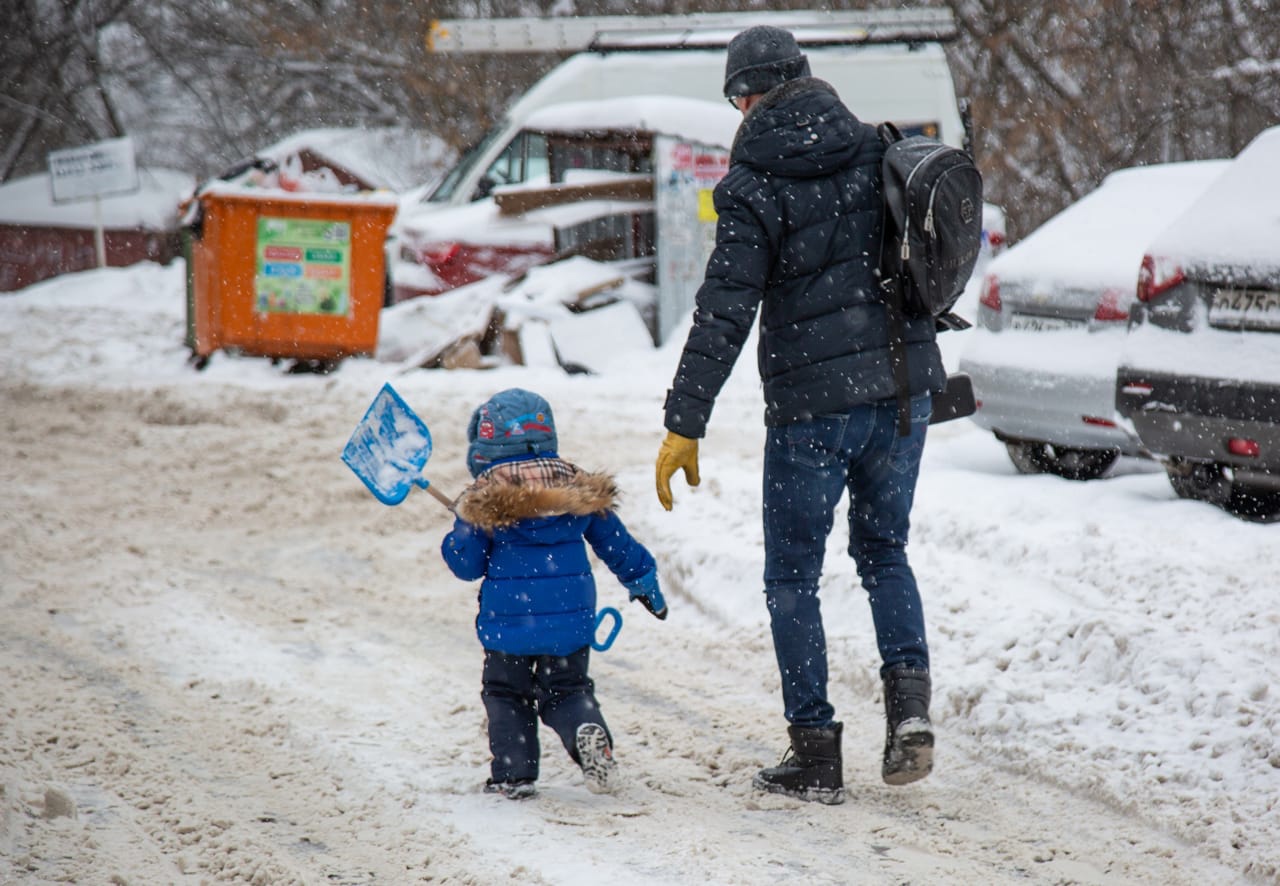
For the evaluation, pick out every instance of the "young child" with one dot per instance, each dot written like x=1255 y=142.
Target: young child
x=521 y=526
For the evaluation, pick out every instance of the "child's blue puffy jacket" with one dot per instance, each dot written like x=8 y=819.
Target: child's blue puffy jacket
x=523 y=528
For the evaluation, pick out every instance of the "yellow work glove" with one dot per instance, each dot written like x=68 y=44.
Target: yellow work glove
x=676 y=452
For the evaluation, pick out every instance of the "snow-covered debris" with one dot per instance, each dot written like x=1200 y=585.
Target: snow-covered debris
x=335 y=159
x=575 y=313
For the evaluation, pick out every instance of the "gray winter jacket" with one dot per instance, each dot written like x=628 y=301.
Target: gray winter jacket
x=798 y=238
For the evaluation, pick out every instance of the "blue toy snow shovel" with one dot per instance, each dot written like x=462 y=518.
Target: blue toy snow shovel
x=389 y=449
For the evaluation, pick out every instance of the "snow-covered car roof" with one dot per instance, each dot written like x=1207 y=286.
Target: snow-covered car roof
x=154 y=206
x=1236 y=221
x=1100 y=239
x=709 y=123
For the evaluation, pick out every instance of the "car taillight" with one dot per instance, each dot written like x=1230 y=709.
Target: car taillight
x=1109 y=308
x=439 y=254
x=990 y=297
x=1157 y=276
x=1244 y=447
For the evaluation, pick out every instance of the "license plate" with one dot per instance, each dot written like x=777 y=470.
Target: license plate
x=1032 y=323
x=1245 y=309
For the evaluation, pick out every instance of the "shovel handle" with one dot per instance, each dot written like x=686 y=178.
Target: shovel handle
x=440 y=497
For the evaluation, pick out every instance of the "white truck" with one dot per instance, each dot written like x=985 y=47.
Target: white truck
x=886 y=65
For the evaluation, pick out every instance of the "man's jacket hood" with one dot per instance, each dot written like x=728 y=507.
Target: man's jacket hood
x=799 y=129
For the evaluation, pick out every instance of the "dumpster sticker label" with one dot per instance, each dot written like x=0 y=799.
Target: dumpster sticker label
x=304 y=266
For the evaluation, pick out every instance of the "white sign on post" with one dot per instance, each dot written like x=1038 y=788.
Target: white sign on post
x=91 y=171
x=106 y=167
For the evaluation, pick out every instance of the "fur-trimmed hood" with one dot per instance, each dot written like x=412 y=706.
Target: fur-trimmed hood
x=543 y=487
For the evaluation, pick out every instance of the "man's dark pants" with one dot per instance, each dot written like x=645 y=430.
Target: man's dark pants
x=807 y=467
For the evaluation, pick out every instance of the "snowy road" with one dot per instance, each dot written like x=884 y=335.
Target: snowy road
x=222 y=660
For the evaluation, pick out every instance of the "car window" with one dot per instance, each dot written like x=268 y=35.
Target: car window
x=630 y=155
x=523 y=160
x=470 y=158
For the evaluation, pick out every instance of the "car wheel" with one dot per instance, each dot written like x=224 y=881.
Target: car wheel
x=1199 y=480
x=1035 y=457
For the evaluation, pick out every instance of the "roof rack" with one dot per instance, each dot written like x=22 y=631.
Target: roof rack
x=705 y=30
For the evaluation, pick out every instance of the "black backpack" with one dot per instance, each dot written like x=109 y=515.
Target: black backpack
x=932 y=234
x=933 y=223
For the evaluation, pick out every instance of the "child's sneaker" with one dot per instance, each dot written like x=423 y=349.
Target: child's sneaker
x=520 y=789
x=595 y=756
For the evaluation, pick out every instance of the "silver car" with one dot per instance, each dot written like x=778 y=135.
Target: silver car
x=1052 y=313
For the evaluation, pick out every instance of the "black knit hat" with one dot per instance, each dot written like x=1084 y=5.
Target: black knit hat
x=759 y=59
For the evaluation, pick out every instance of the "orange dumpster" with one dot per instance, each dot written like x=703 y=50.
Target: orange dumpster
x=280 y=275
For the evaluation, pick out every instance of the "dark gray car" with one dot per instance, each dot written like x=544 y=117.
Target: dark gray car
x=1199 y=377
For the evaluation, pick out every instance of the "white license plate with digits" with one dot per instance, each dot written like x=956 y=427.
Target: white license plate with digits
x=1033 y=323
x=1245 y=309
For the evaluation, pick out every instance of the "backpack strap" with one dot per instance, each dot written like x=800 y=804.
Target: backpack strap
x=889 y=132
x=898 y=351
x=891 y=288
x=895 y=312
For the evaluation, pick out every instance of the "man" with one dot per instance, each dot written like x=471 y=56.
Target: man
x=798 y=238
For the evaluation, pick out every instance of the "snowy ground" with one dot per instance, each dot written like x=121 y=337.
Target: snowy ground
x=223 y=660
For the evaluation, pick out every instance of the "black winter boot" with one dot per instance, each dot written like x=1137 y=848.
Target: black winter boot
x=812 y=768
x=908 y=744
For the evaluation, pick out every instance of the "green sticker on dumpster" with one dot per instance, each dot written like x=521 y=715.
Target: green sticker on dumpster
x=304 y=266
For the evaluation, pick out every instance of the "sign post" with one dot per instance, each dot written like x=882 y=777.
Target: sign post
x=92 y=171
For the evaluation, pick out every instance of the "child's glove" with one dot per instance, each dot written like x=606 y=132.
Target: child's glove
x=645 y=589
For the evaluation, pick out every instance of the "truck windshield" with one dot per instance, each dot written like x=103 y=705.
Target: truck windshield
x=463 y=167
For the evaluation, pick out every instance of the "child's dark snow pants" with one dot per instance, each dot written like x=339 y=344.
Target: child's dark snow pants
x=520 y=689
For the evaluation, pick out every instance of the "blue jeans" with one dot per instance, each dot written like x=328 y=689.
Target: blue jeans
x=807 y=467
x=519 y=690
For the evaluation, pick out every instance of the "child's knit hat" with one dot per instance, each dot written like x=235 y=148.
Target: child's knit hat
x=511 y=423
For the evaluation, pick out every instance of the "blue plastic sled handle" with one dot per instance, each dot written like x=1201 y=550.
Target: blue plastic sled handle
x=613 y=634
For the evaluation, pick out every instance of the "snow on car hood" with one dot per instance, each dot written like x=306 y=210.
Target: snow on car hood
x=1236 y=221
x=1099 y=240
